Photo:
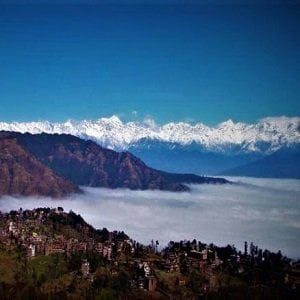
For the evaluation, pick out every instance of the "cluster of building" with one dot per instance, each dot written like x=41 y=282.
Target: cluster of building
x=30 y=230
x=204 y=260
x=26 y=228
x=38 y=232
x=145 y=278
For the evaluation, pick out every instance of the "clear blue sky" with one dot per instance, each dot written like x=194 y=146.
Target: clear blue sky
x=201 y=62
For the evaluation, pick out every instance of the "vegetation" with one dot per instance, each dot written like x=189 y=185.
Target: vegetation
x=72 y=260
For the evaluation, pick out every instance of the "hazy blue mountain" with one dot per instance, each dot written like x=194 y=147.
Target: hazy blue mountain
x=192 y=158
x=284 y=163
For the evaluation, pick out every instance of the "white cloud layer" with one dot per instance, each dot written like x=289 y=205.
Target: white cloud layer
x=265 y=211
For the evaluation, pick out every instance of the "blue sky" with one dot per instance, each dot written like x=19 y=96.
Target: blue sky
x=203 y=63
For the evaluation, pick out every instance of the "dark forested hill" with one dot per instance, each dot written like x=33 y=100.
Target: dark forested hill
x=86 y=163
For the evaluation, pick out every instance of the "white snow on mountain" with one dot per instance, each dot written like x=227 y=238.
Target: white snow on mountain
x=275 y=132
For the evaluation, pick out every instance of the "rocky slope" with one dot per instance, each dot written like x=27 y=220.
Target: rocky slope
x=22 y=174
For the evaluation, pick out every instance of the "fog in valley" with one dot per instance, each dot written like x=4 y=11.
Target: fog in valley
x=264 y=211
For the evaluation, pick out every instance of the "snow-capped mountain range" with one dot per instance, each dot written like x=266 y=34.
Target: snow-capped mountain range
x=267 y=135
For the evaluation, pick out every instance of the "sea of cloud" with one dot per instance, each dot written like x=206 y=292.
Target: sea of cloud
x=265 y=211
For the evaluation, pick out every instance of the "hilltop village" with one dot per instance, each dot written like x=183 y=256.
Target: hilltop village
x=47 y=253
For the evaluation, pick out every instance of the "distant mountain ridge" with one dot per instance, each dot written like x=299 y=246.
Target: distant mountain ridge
x=185 y=147
x=190 y=158
x=55 y=165
x=284 y=163
x=266 y=136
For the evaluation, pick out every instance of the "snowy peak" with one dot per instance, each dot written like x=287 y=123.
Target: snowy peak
x=269 y=134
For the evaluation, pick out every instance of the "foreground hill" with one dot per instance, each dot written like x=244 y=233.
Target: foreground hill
x=51 y=254
x=86 y=163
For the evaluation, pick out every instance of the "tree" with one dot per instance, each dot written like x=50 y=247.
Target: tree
x=196 y=281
